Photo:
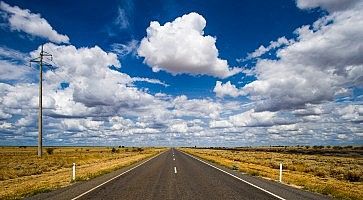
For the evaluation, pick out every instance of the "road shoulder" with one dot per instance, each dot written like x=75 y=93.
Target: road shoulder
x=79 y=188
x=280 y=189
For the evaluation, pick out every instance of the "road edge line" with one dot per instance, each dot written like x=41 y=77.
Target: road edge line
x=251 y=184
x=90 y=190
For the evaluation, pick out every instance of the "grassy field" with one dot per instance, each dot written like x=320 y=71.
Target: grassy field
x=23 y=174
x=332 y=171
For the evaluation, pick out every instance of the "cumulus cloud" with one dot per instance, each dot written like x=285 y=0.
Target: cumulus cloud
x=12 y=65
x=324 y=62
x=253 y=118
x=283 y=128
x=181 y=47
x=12 y=71
x=201 y=108
x=180 y=127
x=310 y=110
x=227 y=89
x=220 y=124
x=33 y=24
x=353 y=113
x=100 y=102
x=292 y=98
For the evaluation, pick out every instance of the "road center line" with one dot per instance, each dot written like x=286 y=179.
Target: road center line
x=175 y=170
x=115 y=177
x=268 y=192
x=173 y=158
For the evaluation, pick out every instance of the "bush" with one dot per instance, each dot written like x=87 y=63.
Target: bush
x=320 y=172
x=138 y=149
x=337 y=147
x=274 y=165
x=234 y=167
x=50 y=151
x=353 y=176
x=114 y=150
x=255 y=173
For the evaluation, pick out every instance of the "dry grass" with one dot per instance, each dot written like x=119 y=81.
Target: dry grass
x=22 y=173
x=339 y=176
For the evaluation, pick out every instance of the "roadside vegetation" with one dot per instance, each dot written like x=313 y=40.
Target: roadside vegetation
x=334 y=171
x=23 y=174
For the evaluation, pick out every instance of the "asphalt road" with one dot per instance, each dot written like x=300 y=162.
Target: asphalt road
x=176 y=175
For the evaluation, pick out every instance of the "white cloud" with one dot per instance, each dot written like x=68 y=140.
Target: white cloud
x=121 y=19
x=227 y=89
x=12 y=71
x=309 y=110
x=125 y=49
x=352 y=113
x=33 y=24
x=202 y=108
x=282 y=128
x=87 y=71
x=252 y=118
x=330 y=5
x=103 y=106
x=5 y=125
x=13 y=55
x=181 y=127
x=324 y=60
x=12 y=65
x=4 y=115
x=148 y=80
x=28 y=120
x=273 y=45
x=181 y=47
x=220 y=124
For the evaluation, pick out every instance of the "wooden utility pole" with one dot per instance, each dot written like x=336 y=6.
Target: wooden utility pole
x=41 y=62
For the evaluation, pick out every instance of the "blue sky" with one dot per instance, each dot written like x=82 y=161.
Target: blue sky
x=214 y=73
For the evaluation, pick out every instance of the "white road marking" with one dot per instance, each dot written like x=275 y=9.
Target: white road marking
x=275 y=195
x=115 y=177
x=175 y=170
x=173 y=158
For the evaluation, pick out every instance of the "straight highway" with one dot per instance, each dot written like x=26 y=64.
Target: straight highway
x=176 y=175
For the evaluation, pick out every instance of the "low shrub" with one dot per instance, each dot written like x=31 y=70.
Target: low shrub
x=114 y=150
x=234 y=167
x=50 y=151
x=353 y=176
x=255 y=173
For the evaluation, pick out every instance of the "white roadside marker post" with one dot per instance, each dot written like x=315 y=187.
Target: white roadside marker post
x=280 y=172
x=74 y=172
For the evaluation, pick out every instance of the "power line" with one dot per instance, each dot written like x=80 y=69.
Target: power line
x=40 y=60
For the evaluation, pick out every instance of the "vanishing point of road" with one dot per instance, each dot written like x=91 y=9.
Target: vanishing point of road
x=176 y=175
